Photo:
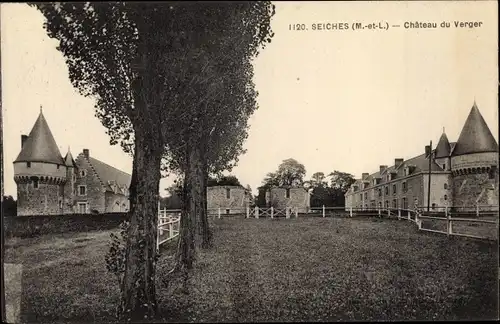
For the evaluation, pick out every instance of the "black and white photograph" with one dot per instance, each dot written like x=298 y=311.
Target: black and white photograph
x=249 y=161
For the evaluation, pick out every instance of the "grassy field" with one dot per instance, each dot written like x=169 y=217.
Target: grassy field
x=276 y=270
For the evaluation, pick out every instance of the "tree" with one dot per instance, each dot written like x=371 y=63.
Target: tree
x=317 y=179
x=128 y=56
x=289 y=173
x=340 y=182
x=229 y=180
x=9 y=206
x=213 y=124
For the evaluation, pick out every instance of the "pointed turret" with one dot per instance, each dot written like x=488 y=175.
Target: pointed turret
x=68 y=159
x=475 y=137
x=40 y=145
x=443 y=147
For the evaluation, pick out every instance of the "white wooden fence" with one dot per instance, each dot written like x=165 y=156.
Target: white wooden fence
x=168 y=225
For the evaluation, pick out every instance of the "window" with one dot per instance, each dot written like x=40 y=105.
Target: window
x=404 y=186
x=379 y=204
x=60 y=204
x=386 y=190
x=379 y=192
x=387 y=204
x=405 y=171
x=445 y=186
x=83 y=173
x=395 y=203
x=82 y=207
x=445 y=197
x=394 y=189
x=74 y=177
x=366 y=195
x=28 y=164
x=228 y=211
x=288 y=193
x=35 y=183
x=444 y=166
x=82 y=190
x=405 y=204
x=433 y=206
x=361 y=196
x=228 y=193
x=58 y=167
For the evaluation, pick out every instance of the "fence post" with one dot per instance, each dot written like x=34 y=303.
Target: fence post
x=248 y=212
x=388 y=212
x=409 y=214
x=350 y=211
x=323 y=210
x=296 y=212
x=170 y=229
x=417 y=221
x=379 y=213
x=158 y=240
x=257 y=212
x=218 y=212
x=287 y=212
x=272 y=212
x=446 y=211
x=399 y=213
x=477 y=211
x=449 y=228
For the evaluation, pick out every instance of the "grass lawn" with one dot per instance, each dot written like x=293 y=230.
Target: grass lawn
x=317 y=269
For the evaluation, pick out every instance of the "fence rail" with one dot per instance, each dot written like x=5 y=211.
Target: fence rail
x=169 y=220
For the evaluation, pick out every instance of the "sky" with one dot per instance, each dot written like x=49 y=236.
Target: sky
x=347 y=100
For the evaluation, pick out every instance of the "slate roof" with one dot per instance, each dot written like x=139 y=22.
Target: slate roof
x=475 y=137
x=420 y=162
x=110 y=175
x=443 y=148
x=68 y=160
x=40 y=145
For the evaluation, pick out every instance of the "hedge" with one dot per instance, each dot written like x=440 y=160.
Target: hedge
x=31 y=226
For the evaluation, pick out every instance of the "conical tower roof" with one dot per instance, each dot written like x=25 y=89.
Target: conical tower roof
x=475 y=137
x=40 y=145
x=68 y=159
x=443 y=147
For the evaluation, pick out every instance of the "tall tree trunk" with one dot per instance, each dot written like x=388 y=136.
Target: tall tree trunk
x=205 y=226
x=138 y=286
x=197 y=179
x=187 y=248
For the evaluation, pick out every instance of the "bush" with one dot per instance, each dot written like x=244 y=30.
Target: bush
x=116 y=255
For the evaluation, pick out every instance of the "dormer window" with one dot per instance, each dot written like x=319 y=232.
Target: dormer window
x=83 y=173
x=28 y=164
x=58 y=167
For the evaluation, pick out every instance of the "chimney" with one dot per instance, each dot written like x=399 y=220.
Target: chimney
x=398 y=162
x=23 y=140
x=382 y=168
x=427 y=150
x=86 y=153
x=364 y=175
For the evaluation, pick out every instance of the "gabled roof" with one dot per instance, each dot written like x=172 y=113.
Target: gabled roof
x=40 y=145
x=443 y=148
x=475 y=137
x=110 y=175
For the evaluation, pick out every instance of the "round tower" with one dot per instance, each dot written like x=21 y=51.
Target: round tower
x=474 y=165
x=39 y=172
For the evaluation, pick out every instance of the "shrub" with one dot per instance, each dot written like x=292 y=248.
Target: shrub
x=115 y=257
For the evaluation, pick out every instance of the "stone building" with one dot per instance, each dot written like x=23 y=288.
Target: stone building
x=283 y=197
x=230 y=199
x=463 y=175
x=49 y=184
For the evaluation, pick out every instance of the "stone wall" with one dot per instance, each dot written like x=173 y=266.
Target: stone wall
x=116 y=203
x=469 y=190
x=299 y=198
x=236 y=203
x=43 y=200
x=94 y=197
